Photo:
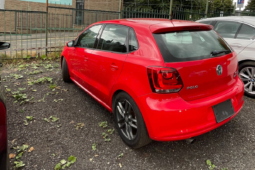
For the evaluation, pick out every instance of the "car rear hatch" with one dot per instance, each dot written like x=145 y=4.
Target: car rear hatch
x=205 y=63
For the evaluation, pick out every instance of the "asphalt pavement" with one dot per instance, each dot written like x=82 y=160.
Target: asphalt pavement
x=231 y=146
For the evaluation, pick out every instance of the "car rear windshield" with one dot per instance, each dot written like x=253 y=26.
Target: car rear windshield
x=190 y=45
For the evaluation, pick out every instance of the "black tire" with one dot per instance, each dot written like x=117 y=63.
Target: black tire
x=141 y=137
x=242 y=66
x=65 y=71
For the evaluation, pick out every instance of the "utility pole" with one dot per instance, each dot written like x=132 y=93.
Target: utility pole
x=170 y=10
x=46 y=26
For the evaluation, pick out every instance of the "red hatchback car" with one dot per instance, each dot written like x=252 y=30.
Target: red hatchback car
x=163 y=80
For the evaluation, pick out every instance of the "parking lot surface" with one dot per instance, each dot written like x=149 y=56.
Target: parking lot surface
x=231 y=146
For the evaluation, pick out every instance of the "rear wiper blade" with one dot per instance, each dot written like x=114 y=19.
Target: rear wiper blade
x=219 y=52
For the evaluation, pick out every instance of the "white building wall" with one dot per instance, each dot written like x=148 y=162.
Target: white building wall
x=2 y=4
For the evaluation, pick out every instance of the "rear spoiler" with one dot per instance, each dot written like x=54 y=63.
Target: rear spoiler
x=198 y=27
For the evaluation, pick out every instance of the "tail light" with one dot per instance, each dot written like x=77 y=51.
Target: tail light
x=164 y=80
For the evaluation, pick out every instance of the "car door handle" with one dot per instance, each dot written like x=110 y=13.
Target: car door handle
x=86 y=58
x=114 y=67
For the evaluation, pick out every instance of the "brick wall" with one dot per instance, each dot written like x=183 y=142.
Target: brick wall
x=104 y=5
x=30 y=22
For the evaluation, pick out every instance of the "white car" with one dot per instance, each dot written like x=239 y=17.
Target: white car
x=239 y=32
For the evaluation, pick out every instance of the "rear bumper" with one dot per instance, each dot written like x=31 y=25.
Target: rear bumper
x=3 y=147
x=168 y=117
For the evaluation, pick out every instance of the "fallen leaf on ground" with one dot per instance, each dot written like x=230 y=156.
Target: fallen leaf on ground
x=120 y=165
x=13 y=141
x=72 y=122
x=90 y=159
x=96 y=155
x=12 y=155
x=31 y=149
x=63 y=162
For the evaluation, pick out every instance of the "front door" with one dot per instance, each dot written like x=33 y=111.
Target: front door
x=82 y=53
x=107 y=60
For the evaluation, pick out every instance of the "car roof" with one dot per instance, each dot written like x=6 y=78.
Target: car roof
x=147 y=22
x=246 y=19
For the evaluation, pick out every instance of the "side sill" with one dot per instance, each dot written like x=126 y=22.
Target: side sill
x=92 y=95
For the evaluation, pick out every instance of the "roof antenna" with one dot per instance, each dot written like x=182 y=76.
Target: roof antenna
x=171 y=10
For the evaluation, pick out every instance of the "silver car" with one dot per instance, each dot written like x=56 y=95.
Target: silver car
x=239 y=32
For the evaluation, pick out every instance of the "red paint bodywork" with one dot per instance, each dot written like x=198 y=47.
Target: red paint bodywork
x=3 y=138
x=3 y=135
x=172 y=116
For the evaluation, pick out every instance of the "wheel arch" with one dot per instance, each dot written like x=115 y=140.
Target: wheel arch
x=243 y=61
x=122 y=88
x=116 y=92
x=137 y=101
x=61 y=60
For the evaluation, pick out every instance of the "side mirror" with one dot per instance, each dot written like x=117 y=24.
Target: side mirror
x=70 y=43
x=4 y=45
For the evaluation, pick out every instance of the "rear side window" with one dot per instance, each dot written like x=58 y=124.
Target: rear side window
x=133 y=44
x=114 y=38
x=227 y=29
x=190 y=45
x=88 y=37
x=246 y=32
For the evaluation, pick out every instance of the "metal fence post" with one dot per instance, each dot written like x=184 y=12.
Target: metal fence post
x=46 y=27
x=120 y=9
x=170 y=10
x=16 y=22
x=206 y=9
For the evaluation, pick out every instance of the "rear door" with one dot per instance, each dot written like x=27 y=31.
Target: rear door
x=107 y=60
x=246 y=35
x=194 y=55
x=229 y=31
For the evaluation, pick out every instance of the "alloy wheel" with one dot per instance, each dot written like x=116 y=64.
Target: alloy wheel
x=247 y=75
x=126 y=119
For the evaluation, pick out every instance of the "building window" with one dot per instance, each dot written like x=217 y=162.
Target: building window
x=79 y=13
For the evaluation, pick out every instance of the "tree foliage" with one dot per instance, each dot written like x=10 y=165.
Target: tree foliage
x=213 y=5
x=251 y=6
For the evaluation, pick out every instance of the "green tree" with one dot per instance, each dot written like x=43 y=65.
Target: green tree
x=251 y=6
x=217 y=5
x=214 y=5
x=228 y=6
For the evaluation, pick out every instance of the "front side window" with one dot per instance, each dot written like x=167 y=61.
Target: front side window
x=227 y=29
x=246 y=32
x=190 y=45
x=114 y=38
x=133 y=44
x=88 y=37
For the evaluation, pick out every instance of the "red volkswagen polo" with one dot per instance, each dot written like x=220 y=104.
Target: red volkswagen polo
x=163 y=80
